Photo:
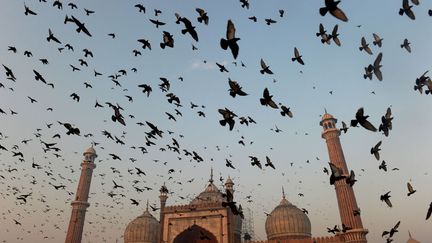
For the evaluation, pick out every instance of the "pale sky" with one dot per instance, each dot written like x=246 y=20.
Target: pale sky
x=305 y=89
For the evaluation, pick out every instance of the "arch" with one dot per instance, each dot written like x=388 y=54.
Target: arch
x=195 y=234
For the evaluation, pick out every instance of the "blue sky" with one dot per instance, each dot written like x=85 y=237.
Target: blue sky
x=303 y=88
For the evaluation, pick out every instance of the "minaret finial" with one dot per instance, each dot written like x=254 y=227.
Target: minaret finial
x=147 y=206
x=283 y=193
x=325 y=111
x=211 y=175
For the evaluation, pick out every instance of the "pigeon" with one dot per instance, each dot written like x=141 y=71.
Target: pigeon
x=365 y=46
x=265 y=68
x=377 y=40
x=235 y=89
x=406 y=45
x=167 y=40
x=51 y=37
x=157 y=23
x=325 y=38
x=392 y=230
x=406 y=9
x=376 y=67
x=286 y=111
x=429 y=212
x=344 y=127
x=336 y=173
x=297 y=57
x=362 y=119
x=375 y=150
x=351 y=179
x=386 y=123
x=202 y=16
x=386 y=198
x=28 y=11
x=383 y=166
x=269 y=163
x=231 y=40
x=334 y=36
x=267 y=99
x=189 y=28
x=410 y=189
x=331 y=6
x=228 y=118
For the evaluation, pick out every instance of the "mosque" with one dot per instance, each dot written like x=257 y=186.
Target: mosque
x=206 y=219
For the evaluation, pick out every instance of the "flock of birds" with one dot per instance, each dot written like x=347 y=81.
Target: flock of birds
x=229 y=42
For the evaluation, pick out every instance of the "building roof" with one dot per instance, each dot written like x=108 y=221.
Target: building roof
x=210 y=194
x=412 y=240
x=287 y=221
x=144 y=228
x=90 y=150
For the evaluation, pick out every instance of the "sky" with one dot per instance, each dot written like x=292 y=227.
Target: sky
x=331 y=79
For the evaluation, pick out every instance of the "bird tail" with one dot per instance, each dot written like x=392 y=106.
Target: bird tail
x=113 y=118
x=162 y=45
x=354 y=123
x=262 y=71
x=262 y=101
x=323 y=11
x=224 y=44
x=293 y=59
x=222 y=122
x=428 y=92
x=401 y=11
x=361 y=48
x=233 y=94
x=200 y=19
x=402 y=46
x=184 y=31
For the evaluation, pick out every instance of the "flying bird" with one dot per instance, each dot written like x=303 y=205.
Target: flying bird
x=235 y=89
x=331 y=6
x=167 y=40
x=386 y=198
x=231 y=40
x=265 y=68
x=202 y=16
x=406 y=9
x=365 y=46
x=361 y=119
x=267 y=100
x=375 y=150
x=297 y=57
x=410 y=189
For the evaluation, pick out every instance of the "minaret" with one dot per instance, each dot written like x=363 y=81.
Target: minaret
x=80 y=204
x=229 y=185
x=344 y=192
x=163 y=198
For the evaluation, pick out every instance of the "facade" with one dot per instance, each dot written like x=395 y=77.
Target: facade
x=206 y=220
x=80 y=204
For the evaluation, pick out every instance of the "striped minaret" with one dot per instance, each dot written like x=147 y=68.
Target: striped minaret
x=344 y=192
x=80 y=204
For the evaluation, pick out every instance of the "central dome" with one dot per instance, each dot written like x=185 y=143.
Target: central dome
x=287 y=221
x=143 y=229
x=210 y=195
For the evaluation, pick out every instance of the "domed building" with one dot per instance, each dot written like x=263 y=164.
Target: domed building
x=287 y=221
x=214 y=217
x=144 y=229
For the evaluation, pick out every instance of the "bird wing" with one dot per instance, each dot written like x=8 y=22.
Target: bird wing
x=230 y=30
x=378 y=60
x=410 y=188
x=387 y=200
x=296 y=52
x=263 y=65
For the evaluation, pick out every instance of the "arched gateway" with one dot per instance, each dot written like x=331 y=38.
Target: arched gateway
x=195 y=234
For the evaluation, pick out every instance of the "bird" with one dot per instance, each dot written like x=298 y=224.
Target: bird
x=146 y=89
x=28 y=11
x=429 y=212
x=255 y=161
x=231 y=40
x=140 y=7
x=392 y=230
x=383 y=166
x=253 y=18
x=267 y=100
x=228 y=118
x=244 y=4
x=80 y=25
x=351 y=179
x=361 y=119
x=88 y=12
x=265 y=68
x=286 y=111
x=281 y=13
x=375 y=150
x=386 y=198
x=269 y=163
x=235 y=89
x=410 y=189
x=344 y=127
x=377 y=40
x=75 y=97
x=336 y=173
x=189 y=28
x=331 y=6
x=222 y=68
x=270 y=21
x=71 y=130
x=51 y=37
x=297 y=57
x=334 y=36
x=406 y=9
x=157 y=23
x=115 y=157
x=167 y=40
x=406 y=45
x=202 y=16
x=365 y=46
x=146 y=43
x=386 y=122
x=376 y=67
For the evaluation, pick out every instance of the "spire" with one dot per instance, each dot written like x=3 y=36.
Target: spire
x=283 y=193
x=147 y=206
x=211 y=176
x=325 y=111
